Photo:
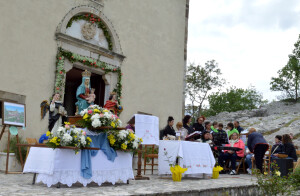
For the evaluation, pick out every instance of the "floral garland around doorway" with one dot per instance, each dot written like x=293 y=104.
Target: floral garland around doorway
x=94 y=20
x=90 y=62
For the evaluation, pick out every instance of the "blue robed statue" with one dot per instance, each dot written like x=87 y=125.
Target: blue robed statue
x=84 y=95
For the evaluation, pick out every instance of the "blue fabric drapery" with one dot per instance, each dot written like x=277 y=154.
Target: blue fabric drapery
x=98 y=141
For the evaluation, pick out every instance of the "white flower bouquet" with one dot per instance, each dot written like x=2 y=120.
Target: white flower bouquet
x=68 y=136
x=95 y=116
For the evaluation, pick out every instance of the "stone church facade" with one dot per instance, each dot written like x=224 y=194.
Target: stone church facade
x=136 y=48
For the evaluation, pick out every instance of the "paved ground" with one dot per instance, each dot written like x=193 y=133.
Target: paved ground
x=20 y=184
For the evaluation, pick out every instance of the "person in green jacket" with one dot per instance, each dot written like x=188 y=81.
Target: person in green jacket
x=214 y=127
x=231 y=129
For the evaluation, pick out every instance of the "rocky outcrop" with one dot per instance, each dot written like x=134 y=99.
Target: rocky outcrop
x=276 y=118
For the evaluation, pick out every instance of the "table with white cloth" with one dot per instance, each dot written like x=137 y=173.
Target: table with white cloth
x=63 y=166
x=196 y=157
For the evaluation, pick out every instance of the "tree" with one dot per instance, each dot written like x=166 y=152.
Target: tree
x=234 y=99
x=199 y=82
x=289 y=76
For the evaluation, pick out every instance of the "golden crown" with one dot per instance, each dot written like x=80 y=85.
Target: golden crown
x=113 y=93
x=86 y=73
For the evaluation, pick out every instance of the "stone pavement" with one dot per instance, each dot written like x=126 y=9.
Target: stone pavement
x=20 y=184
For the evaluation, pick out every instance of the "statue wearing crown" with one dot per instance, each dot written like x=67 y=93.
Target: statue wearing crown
x=84 y=94
x=112 y=104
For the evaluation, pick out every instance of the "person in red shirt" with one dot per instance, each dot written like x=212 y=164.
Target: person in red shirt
x=234 y=141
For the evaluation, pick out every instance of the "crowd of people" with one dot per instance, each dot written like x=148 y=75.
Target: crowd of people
x=254 y=147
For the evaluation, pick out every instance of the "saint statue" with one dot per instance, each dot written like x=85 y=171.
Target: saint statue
x=112 y=104
x=84 y=95
x=57 y=113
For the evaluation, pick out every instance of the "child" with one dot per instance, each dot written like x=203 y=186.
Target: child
x=92 y=96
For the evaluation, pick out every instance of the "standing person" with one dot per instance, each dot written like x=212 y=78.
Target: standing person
x=238 y=127
x=234 y=141
x=186 y=123
x=258 y=145
x=57 y=113
x=231 y=129
x=169 y=130
x=198 y=125
x=214 y=126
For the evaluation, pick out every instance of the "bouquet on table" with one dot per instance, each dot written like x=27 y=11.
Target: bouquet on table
x=68 y=136
x=95 y=116
x=124 y=140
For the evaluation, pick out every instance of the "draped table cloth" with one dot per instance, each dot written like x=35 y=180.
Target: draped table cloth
x=62 y=165
x=195 y=156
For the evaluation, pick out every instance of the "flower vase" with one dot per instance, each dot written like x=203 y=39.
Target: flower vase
x=177 y=172
x=216 y=171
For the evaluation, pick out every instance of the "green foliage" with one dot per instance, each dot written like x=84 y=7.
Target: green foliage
x=94 y=20
x=13 y=148
x=234 y=99
x=288 y=78
x=275 y=184
x=200 y=80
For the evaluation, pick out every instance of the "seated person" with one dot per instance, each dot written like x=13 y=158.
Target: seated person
x=288 y=147
x=220 y=137
x=207 y=127
x=182 y=133
x=206 y=137
x=277 y=147
x=214 y=126
x=232 y=155
x=231 y=129
x=186 y=123
x=198 y=125
x=169 y=130
x=248 y=160
x=237 y=126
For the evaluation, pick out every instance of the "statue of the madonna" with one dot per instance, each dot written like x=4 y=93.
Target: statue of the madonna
x=83 y=92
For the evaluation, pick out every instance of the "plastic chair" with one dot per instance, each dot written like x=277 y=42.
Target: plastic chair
x=151 y=156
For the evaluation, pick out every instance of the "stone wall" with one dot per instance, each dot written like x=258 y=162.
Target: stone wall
x=151 y=35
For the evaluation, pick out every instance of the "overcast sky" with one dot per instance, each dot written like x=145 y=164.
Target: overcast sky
x=250 y=39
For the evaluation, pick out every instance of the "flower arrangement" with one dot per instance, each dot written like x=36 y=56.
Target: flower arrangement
x=176 y=169
x=216 y=171
x=95 y=116
x=68 y=136
x=124 y=140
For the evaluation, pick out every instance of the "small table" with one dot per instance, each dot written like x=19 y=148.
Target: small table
x=285 y=165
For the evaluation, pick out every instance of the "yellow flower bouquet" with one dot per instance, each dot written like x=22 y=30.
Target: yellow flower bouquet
x=124 y=140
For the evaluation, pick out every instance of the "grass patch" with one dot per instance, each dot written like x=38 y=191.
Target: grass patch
x=271 y=131
x=296 y=136
x=285 y=125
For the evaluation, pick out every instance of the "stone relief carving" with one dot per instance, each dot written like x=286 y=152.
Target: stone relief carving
x=88 y=31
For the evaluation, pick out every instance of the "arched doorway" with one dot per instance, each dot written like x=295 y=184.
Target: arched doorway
x=73 y=80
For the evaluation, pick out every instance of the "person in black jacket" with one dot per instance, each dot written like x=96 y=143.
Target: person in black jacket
x=277 y=147
x=169 y=130
x=258 y=145
x=186 y=123
x=198 y=125
x=288 y=147
x=237 y=126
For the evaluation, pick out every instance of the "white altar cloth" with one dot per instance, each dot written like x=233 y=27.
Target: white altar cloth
x=195 y=156
x=62 y=165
